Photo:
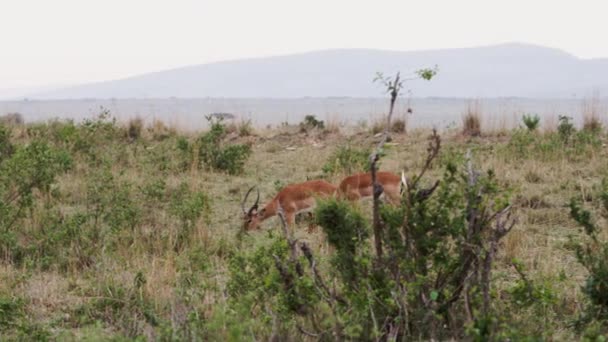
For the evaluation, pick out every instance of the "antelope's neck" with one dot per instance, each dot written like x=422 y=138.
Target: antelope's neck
x=270 y=210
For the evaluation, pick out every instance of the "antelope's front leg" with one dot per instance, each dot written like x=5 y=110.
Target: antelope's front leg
x=290 y=218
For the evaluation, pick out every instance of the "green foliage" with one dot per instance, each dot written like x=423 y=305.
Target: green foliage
x=214 y=155
x=428 y=73
x=592 y=254
x=570 y=145
x=34 y=167
x=528 y=293
x=15 y=325
x=11 y=310
x=347 y=160
x=531 y=121
x=347 y=230
x=253 y=275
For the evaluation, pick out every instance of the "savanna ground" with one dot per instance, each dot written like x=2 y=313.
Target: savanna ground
x=125 y=236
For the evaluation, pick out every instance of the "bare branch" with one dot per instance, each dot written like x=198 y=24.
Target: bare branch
x=432 y=153
x=293 y=252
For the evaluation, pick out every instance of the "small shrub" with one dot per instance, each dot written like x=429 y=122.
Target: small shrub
x=232 y=158
x=347 y=160
x=214 y=155
x=310 y=122
x=245 y=128
x=565 y=128
x=531 y=121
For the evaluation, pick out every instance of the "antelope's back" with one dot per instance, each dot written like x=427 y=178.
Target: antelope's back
x=320 y=187
x=359 y=180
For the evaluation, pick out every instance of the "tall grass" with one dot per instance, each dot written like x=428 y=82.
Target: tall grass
x=593 y=113
x=471 y=119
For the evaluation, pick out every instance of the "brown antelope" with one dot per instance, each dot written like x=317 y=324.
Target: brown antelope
x=293 y=199
x=360 y=186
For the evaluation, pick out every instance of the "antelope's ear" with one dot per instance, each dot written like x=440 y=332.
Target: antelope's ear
x=261 y=212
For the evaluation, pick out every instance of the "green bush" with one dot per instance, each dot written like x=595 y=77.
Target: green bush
x=531 y=121
x=348 y=231
x=11 y=311
x=214 y=155
x=565 y=128
x=34 y=167
x=592 y=254
x=347 y=160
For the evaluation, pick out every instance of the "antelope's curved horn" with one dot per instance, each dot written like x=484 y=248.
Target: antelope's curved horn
x=245 y=199
x=257 y=200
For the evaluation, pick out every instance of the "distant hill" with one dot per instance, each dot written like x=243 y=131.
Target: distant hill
x=494 y=71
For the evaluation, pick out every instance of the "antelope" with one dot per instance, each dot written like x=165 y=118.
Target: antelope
x=293 y=199
x=360 y=186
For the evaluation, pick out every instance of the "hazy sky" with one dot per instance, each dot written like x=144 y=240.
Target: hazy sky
x=44 y=42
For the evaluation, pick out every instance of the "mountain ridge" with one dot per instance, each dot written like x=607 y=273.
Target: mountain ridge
x=504 y=70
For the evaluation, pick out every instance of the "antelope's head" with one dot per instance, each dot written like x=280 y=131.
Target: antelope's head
x=251 y=217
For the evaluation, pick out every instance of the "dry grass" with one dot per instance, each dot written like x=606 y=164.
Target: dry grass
x=378 y=124
x=332 y=124
x=159 y=130
x=592 y=113
x=399 y=126
x=471 y=119
x=549 y=123
x=12 y=119
x=134 y=128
